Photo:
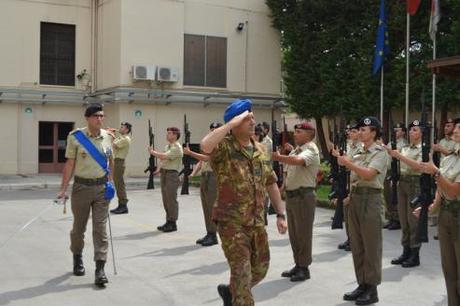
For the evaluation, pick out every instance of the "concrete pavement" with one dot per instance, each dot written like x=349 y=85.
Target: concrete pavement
x=170 y=269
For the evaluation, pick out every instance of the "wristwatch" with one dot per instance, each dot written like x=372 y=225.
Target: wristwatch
x=282 y=216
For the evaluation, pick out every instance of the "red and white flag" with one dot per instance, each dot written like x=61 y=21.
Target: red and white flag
x=412 y=6
x=434 y=18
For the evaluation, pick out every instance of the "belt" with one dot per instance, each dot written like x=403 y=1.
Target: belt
x=207 y=173
x=365 y=190
x=168 y=171
x=409 y=178
x=118 y=158
x=298 y=192
x=91 y=182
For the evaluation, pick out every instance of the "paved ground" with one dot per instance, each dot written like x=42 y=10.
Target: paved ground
x=170 y=269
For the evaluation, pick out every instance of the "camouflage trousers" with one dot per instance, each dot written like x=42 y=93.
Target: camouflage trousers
x=248 y=255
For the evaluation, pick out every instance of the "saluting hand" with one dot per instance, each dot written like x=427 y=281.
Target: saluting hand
x=237 y=120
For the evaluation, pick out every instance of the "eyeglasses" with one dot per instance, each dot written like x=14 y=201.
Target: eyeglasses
x=97 y=116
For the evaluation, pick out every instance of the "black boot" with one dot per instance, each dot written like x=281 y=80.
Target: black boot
x=413 y=260
x=353 y=295
x=225 y=294
x=395 y=225
x=100 y=278
x=403 y=257
x=162 y=227
x=343 y=245
x=210 y=239
x=302 y=274
x=78 y=268
x=370 y=296
x=291 y=272
x=170 y=227
x=200 y=241
x=121 y=209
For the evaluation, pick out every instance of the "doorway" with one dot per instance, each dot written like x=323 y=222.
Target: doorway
x=52 y=142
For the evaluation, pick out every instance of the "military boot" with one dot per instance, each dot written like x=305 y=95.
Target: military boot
x=413 y=260
x=368 y=297
x=210 y=239
x=394 y=225
x=403 y=257
x=200 y=241
x=121 y=209
x=100 y=277
x=78 y=268
x=225 y=294
x=291 y=272
x=344 y=245
x=302 y=274
x=170 y=227
x=162 y=227
x=353 y=295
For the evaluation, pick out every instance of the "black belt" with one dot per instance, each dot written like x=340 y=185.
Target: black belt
x=409 y=178
x=119 y=158
x=167 y=170
x=365 y=190
x=298 y=192
x=91 y=182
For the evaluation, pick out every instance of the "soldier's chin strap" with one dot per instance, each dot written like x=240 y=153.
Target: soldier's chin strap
x=25 y=226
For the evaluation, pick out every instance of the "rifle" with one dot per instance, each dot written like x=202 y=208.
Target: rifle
x=152 y=167
x=436 y=157
x=277 y=167
x=186 y=160
x=395 y=174
x=425 y=198
x=284 y=136
x=341 y=183
x=334 y=173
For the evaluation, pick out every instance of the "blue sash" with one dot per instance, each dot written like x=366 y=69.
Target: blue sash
x=99 y=158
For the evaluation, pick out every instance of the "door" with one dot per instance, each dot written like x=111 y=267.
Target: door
x=52 y=141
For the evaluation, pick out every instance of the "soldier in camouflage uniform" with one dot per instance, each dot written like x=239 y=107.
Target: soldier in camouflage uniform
x=243 y=176
x=368 y=170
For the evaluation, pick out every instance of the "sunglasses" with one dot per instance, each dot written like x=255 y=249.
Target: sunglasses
x=97 y=116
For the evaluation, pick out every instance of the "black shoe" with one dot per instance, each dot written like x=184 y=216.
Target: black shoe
x=387 y=224
x=368 y=297
x=302 y=274
x=100 y=278
x=395 y=225
x=347 y=248
x=225 y=294
x=343 y=245
x=209 y=239
x=121 y=209
x=413 y=260
x=435 y=237
x=162 y=227
x=200 y=241
x=170 y=227
x=403 y=257
x=353 y=295
x=291 y=272
x=78 y=268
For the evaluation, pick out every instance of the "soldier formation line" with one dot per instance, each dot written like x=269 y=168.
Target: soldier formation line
x=245 y=174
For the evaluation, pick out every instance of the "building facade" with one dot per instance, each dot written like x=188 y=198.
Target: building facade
x=143 y=59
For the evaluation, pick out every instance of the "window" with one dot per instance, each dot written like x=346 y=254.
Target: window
x=205 y=61
x=57 y=54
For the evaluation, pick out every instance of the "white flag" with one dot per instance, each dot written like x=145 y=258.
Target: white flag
x=434 y=18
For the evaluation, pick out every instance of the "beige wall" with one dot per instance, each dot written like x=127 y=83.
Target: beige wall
x=20 y=33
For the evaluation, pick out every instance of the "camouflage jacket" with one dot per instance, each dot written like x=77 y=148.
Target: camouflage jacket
x=241 y=182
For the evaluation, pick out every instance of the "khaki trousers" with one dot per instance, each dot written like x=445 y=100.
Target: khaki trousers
x=86 y=199
x=409 y=188
x=118 y=180
x=301 y=214
x=208 y=194
x=391 y=212
x=365 y=225
x=169 y=183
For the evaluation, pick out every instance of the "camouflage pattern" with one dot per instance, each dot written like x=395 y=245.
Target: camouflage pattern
x=242 y=178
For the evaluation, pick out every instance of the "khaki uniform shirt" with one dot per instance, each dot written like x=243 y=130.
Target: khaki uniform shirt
x=401 y=143
x=121 y=145
x=450 y=169
x=242 y=180
x=174 y=154
x=268 y=143
x=305 y=175
x=353 y=148
x=374 y=157
x=449 y=144
x=206 y=166
x=413 y=152
x=85 y=165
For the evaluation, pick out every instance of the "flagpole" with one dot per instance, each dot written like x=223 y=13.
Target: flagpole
x=381 y=95
x=407 y=69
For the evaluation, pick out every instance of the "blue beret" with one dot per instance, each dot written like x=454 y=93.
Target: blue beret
x=237 y=108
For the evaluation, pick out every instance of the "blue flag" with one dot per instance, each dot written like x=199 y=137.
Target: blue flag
x=382 y=45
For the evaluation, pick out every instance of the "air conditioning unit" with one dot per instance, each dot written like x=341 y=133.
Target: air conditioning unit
x=144 y=72
x=167 y=74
